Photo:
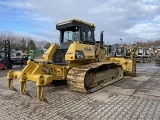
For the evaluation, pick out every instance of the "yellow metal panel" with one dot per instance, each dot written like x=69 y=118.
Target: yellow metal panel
x=88 y=50
x=49 y=53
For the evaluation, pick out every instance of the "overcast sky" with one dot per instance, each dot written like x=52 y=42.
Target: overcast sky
x=130 y=20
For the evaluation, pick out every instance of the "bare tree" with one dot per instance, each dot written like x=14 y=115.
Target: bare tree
x=47 y=45
x=31 y=45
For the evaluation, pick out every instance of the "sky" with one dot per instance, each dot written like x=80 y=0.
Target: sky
x=129 y=20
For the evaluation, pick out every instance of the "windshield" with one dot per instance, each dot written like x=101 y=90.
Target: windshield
x=70 y=36
x=87 y=35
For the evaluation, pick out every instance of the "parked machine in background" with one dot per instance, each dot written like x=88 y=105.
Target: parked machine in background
x=120 y=50
x=78 y=59
x=5 y=60
x=143 y=55
x=18 y=57
x=9 y=57
x=157 y=56
x=150 y=54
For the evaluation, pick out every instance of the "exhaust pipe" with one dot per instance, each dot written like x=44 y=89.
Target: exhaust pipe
x=101 y=39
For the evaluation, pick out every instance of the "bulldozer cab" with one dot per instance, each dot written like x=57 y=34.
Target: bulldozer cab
x=72 y=31
x=76 y=30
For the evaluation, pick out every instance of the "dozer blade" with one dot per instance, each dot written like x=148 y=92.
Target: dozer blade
x=91 y=77
x=128 y=64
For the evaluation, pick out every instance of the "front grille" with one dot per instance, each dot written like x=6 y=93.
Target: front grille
x=59 y=57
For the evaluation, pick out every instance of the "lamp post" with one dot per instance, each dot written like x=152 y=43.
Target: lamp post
x=121 y=41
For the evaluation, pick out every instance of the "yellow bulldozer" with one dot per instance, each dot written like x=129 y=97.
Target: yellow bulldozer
x=77 y=59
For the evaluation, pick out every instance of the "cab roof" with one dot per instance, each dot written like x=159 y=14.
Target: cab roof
x=73 y=22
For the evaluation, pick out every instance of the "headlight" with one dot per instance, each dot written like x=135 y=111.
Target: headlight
x=79 y=54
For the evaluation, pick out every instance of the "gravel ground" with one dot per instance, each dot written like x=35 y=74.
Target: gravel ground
x=132 y=98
